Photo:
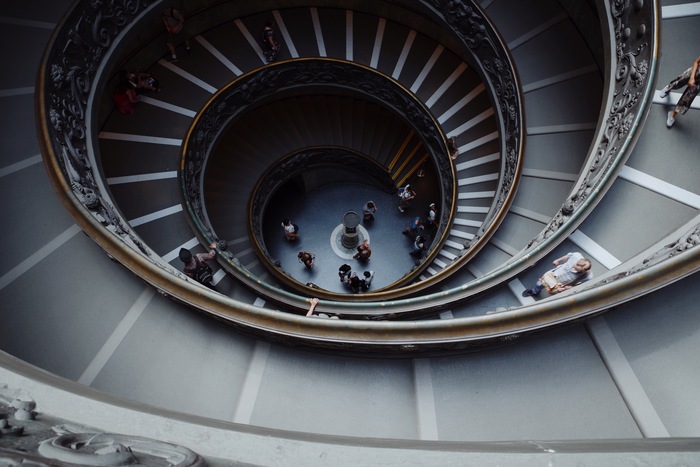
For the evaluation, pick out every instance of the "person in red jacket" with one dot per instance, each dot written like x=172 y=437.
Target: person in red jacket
x=125 y=98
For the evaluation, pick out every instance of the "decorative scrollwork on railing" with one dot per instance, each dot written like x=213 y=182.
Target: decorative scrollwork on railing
x=474 y=30
x=279 y=79
x=634 y=54
x=77 y=52
x=689 y=239
x=81 y=50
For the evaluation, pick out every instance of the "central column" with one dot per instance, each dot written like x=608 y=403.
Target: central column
x=350 y=238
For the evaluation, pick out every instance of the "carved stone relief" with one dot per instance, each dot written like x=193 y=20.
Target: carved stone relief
x=31 y=438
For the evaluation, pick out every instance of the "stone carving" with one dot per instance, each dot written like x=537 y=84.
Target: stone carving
x=107 y=449
x=18 y=400
x=6 y=429
x=26 y=441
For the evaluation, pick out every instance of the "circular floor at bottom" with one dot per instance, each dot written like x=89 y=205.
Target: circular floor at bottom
x=318 y=215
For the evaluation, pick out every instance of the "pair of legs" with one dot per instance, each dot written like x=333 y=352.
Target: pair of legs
x=686 y=99
x=170 y=44
x=404 y=204
x=534 y=290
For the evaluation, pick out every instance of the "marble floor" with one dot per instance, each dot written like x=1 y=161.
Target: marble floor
x=319 y=214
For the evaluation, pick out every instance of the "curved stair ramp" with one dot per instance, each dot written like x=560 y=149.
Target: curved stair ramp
x=501 y=272
x=457 y=81
x=462 y=103
x=612 y=377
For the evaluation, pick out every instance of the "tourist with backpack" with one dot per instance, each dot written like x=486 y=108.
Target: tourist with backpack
x=196 y=266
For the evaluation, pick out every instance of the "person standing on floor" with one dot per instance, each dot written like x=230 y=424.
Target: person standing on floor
x=406 y=195
x=366 y=280
x=363 y=252
x=689 y=78
x=344 y=272
x=414 y=228
x=431 y=216
x=354 y=282
x=418 y=246
x=175 y=26
x=307 y=259
x=368 y=212
x=291 y=231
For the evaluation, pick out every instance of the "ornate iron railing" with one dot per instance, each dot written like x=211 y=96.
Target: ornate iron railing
x=633 y=55
x=475 y=31
x=66 y=98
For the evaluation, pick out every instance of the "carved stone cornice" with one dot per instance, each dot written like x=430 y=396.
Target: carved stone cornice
x=26 y=439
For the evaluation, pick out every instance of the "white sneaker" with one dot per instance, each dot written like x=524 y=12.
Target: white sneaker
x=663 y=93
x=670 y=120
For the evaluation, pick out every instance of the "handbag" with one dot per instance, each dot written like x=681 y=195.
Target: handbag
x=550 y=282
x=203 y=274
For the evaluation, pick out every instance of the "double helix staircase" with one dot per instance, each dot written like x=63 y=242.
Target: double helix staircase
x=626 y=375
x=448 y=86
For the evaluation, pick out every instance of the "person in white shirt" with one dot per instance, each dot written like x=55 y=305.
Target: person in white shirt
x=571 y=269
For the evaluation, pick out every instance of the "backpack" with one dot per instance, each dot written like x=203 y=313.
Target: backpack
x=203 y=274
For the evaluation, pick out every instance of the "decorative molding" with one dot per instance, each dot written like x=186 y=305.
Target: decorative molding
x=28 y=439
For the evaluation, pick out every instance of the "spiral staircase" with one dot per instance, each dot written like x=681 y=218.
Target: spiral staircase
x=79 y=330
